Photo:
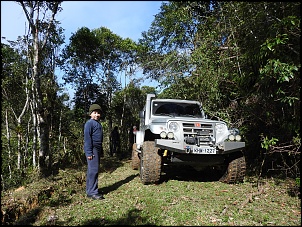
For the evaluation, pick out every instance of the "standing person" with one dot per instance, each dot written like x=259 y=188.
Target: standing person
x=93 y=139
x=134 y=133
x=131 y=139
x=115 y=141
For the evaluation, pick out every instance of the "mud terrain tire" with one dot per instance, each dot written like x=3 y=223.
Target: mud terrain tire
x=135 y=158
x=235 y=171
x=150 y=163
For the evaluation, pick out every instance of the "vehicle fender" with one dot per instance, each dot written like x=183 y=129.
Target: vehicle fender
x=139 y=139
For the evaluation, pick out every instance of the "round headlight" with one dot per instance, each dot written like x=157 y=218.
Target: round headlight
x=238 y=137
x=221 y=128
x=170 y=135
x=173 y=126
x=163 y=134
x=231 y=137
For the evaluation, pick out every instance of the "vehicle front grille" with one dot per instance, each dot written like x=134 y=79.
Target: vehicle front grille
x=198 y=133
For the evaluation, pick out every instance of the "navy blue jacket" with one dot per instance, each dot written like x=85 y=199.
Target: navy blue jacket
x=93 y=136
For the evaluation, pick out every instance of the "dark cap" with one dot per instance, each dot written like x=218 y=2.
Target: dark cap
x=94 y=107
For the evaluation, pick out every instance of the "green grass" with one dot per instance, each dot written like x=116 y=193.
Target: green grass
x=175 y=201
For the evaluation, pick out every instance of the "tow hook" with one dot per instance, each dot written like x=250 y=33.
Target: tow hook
x=165 y=153
x=188 y=149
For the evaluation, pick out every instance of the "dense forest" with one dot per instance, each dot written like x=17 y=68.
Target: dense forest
x=240 y=59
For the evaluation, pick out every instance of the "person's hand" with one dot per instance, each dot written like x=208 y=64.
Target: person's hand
x=90 y=157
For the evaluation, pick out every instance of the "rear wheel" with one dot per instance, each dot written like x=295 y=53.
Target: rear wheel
x=235 y=171
x=134 y=157
x=150 y=163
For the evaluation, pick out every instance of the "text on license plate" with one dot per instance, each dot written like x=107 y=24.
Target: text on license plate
x=199 y=150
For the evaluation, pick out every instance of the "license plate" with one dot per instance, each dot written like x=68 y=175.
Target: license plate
x=200 y=150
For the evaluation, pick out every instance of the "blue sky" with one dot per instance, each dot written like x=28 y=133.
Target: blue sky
x=127 y=19
x=124 y=18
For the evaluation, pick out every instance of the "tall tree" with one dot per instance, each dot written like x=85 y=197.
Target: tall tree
x=42 y=24
x=97 y=56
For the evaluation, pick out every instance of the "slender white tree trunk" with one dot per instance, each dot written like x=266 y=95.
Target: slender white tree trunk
x=8 y=143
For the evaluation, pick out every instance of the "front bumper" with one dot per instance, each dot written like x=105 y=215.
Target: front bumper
x=181 y=147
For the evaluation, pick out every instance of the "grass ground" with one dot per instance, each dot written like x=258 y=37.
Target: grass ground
x=184 y=197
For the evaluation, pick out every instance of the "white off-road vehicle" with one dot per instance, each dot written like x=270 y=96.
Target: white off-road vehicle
x=174 y=131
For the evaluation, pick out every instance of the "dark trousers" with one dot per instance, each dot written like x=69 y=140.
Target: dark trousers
x=93 y=173
x=114 y=149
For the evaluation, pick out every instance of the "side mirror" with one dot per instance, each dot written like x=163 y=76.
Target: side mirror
x=142 y=114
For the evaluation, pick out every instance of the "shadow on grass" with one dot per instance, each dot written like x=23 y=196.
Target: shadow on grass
x=116 y=185
x=188 y=173
x=133 y=217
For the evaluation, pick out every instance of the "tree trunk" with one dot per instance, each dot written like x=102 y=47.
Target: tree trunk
x=35 y=134
x=40 y=115
x=8 y=144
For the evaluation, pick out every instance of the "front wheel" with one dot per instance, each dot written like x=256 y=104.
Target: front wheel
x=150 y=163
x=235 y=171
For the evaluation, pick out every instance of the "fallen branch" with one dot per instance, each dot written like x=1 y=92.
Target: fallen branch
x=249 y=198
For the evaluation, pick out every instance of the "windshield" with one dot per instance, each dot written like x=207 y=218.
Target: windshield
x=176 y=109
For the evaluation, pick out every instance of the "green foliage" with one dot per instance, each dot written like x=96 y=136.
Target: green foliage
x=267 y=143
x=298 y=181
x=282 y=72
x=126 y=105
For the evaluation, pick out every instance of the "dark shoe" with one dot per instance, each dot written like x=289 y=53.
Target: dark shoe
x=98 y=196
